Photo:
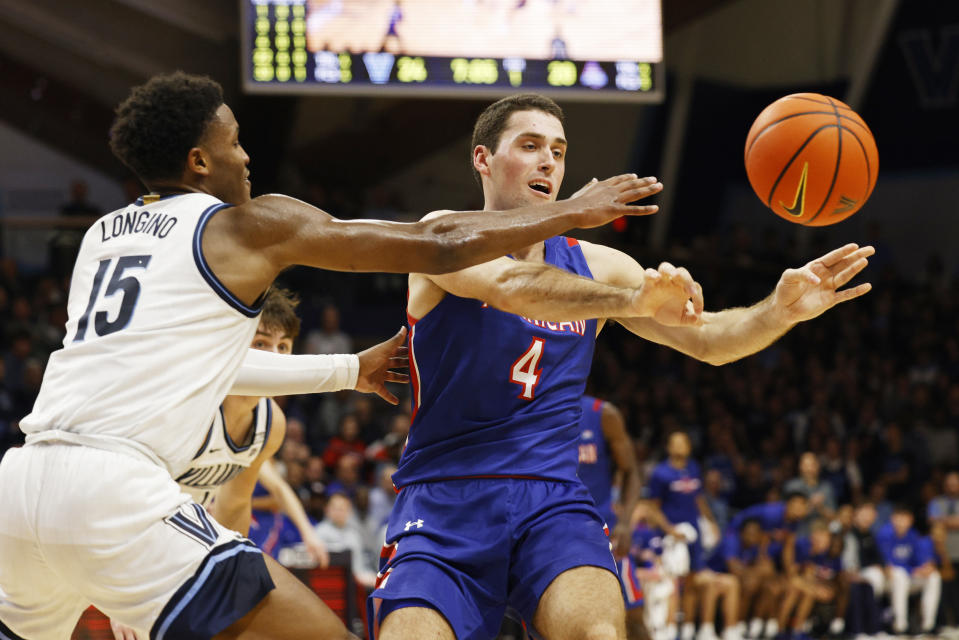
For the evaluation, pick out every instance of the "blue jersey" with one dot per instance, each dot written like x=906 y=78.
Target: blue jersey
x=908 y=551
x=595 y=469
x=770 y=515
x=496 y=394
x=677 y=490
x=731 y=547
x=647 y=546
x=825 y=565
x=772 y=520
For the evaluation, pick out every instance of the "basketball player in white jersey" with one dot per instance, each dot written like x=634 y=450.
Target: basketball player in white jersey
x=245 y=435
x=163 y=305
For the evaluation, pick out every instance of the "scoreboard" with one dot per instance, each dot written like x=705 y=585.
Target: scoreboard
x=573 y=49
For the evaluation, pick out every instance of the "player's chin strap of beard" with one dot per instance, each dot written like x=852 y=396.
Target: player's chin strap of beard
x=264 y=373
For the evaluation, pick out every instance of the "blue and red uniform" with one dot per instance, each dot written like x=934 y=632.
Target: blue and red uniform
x=490 y=509
x=596 y=472
x=677 y=490
x=772 y=520
x=595 y=463
x=731 y=547
x=826 y=565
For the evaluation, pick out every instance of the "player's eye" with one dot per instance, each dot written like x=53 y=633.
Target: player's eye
x=529 y=146
x=557 y=153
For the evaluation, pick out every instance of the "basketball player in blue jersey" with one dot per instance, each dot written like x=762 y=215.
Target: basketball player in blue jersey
x=163 y=306
x=603 y=440
x=676 y=492
x=490 y=512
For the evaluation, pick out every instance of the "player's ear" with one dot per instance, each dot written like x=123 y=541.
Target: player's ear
x=481 y=159
x=197 y=161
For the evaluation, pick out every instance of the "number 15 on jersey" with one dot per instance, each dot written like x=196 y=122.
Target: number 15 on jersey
x=130 y=287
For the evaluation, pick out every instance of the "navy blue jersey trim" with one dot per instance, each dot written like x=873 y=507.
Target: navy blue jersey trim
x=269 y=422
x=231 y=580
x=256 y=414
x=207 y=273
x=139 y=201
x=206 y=441
x=7 y=634
x=226 y=432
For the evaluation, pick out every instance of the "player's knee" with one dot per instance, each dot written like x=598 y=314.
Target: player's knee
x=601 y=630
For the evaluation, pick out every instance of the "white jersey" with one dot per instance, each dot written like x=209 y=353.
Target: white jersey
x=220 y=459
x=153 y=341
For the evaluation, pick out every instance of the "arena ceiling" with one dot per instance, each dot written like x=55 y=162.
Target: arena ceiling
x=65 y=64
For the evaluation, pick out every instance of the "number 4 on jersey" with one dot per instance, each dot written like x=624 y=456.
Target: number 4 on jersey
x=524 y=370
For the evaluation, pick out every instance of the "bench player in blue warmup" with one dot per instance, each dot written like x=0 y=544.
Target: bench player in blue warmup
x=605 y=450
x=490 y=512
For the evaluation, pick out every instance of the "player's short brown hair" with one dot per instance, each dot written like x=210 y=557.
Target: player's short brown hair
x=279 y=312
x=493 y=121
x=161 y=120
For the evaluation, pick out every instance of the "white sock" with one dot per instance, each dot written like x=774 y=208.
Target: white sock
x=837 y=626
x=755 y=628
x=671 y=630
x=734 y=632
x=707 y=631
x=688 y=631
x=772 y=628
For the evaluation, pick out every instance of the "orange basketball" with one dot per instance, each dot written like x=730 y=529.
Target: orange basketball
x=811 y=159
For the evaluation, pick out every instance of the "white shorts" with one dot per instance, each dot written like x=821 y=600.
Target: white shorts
x=81 y=526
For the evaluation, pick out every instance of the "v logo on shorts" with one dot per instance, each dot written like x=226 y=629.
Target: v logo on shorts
x=192 y=520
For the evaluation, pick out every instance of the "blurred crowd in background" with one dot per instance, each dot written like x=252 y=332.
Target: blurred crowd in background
x=869 y=391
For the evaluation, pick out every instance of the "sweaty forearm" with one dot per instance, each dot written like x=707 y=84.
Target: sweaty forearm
x=290 y=505
x=733 y=334
x=294 y=232
x=543 y=292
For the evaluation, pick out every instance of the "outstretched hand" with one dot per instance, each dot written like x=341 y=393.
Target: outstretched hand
x=601 y=202
x=804 y=293
x=375 y=365
x=670 y=296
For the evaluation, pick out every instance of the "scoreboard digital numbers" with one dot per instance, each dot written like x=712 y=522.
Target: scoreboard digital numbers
x=576 y=49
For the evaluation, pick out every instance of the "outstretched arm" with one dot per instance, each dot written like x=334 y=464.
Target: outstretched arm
x=290 y=505
x=248 y=245
x=264 y=373
x=801 y=294
x=543 y=292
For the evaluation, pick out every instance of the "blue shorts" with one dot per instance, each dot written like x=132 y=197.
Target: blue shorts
x=471 y=548
x=697 y=557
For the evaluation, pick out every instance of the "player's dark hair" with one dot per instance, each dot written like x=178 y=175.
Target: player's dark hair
x=279 y=312
x=160 y=121
x=795 y=494
x=902 y=507
x=493 y=121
